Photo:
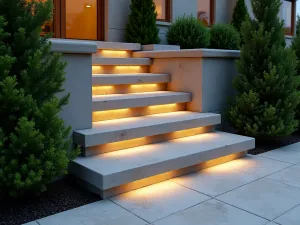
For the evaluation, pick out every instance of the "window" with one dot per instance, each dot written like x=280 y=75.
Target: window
x=205 y=12
x=289 y=7
x=163 y=9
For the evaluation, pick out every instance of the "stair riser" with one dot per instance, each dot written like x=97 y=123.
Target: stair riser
x=141 y=102
x=119 y=69
x=155 y=179
x=113 y=54
x=100 y=149
x=122 y=135
x=126 y=89
x=135 y=112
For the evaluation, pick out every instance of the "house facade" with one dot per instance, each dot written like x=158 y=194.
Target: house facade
x=105 y=20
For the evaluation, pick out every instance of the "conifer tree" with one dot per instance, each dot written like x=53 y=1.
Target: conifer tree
x=141 y=26
x=34 y=143
x=296 y=47
x=240 y=14
x=267 y=93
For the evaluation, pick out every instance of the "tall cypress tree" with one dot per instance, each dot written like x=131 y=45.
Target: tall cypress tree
x=267 y=93
x=34 y=142
x=296 y=47
x=240 y=14
x=141 y=26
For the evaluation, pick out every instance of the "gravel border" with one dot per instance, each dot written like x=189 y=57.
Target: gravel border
x=62 y=195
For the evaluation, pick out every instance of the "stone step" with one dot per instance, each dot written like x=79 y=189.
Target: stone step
x=104 y=132
x=122 y=101
x=100 y=61
x=105 y=172
x=142 y=78
x=105 y=45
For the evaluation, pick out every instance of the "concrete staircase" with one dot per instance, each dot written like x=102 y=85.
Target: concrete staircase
x=142 y=133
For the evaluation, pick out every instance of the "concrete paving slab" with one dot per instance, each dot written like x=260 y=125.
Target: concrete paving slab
x=31 y=223
x=265 y=198
x=159 y=200
x=289 y=176
x=103 y=212
x=228 y=176
x=290 y=154
x=290 y=218
x=212 y=212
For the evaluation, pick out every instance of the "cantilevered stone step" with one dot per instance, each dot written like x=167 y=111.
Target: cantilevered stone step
x=99 y=61
x=129 y=128
x=121 y=101
x=104 y=45
x=142 y=78
x=113 y=169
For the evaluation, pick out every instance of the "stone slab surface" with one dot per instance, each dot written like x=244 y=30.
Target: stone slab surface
x=290 y=154
x=290 y=218
x=228 y=176
x=115 y=168
x=124 y=101
x=159 y=200
x=212 y=212
x=129 y=128
x=155 y=47
x=289 y=176
x=265 y=198
x=118 y=46
x=98 y=213
x=31 y=223
x=141 y=78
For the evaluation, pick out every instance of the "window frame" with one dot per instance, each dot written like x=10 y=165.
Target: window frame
x=167 y=11
x=212 y=11
x=293 y=16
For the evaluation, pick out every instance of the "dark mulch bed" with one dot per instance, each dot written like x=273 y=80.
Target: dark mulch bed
x=62 y=195
x=268 y=145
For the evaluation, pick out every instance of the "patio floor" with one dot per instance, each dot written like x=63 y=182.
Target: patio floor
x=255 y=190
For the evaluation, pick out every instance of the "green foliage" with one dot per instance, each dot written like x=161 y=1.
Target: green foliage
x=141 y=26
x=296 y=47
x=267 y=93
x=189 y=33
x=34 y=143
x=224 y=36
x=240 y=14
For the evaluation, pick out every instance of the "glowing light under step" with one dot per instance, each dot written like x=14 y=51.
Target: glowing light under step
x=119 y=69
x=140 y=111
x=115 y=53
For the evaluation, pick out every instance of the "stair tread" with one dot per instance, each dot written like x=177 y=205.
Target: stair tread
x=137 y=127
x=143 y=121
x=133 y=100
x=144 y=95
x=144 y=161
x=113 y=79
x=121 y=61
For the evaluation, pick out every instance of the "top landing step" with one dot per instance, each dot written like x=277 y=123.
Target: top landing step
x=118 y=46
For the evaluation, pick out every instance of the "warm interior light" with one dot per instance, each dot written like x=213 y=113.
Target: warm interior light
x=111 y=114
x=115 y=53
x=88 y=6
x=128 y=69
x=143 y=87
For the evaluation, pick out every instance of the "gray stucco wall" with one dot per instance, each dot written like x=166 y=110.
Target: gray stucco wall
x=117 y=11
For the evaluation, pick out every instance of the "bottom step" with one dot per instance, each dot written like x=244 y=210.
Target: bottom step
x=108 y=173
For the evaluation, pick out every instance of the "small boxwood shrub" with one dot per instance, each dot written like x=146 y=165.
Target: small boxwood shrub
x=224 y=36
x=189 y=33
